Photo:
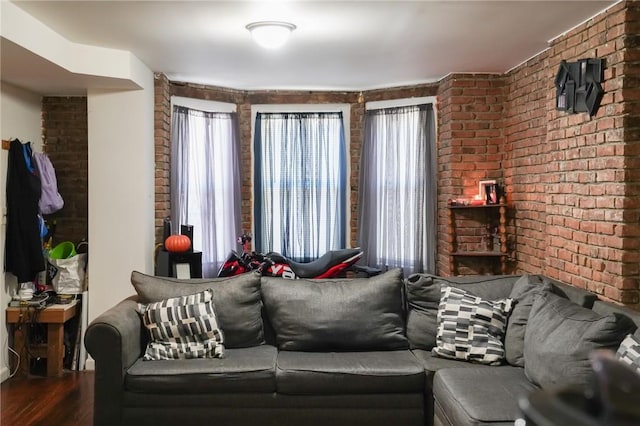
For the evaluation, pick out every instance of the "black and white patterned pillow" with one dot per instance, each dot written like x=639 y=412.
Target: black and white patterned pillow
x=471 y=328
x=629 y=352
x=182 y=327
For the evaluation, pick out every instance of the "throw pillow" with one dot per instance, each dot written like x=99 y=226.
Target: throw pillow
x=182 y=327
x=561 y=334
x=324 y=314
x=524 y=293
x=629 y=352
x=423 y=299
x=237 y=300
x=471 y=328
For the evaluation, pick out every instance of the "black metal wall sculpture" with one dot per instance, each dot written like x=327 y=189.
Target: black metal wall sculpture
x=578 y=86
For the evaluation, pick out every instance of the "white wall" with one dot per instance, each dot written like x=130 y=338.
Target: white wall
x=94 y=65
x=121 y=192
x=20 y=117
x=121 y=152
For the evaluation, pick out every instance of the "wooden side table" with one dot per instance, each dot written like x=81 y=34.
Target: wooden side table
x=54 y=317
x=461 y=249
x=166 y=265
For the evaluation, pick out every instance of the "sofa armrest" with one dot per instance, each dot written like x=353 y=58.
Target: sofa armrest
x=115 y=340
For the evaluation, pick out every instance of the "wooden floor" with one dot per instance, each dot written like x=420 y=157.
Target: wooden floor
x=64 y=401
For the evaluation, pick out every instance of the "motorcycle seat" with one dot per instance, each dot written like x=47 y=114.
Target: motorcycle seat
x=320 y=265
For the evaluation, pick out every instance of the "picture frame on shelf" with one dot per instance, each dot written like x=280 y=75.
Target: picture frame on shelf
x=182 y=270
x=488 y=191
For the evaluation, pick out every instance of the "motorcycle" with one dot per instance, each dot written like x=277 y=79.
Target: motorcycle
x=332 y=264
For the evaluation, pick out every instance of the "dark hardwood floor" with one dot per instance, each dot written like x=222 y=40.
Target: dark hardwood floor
x=63 y=401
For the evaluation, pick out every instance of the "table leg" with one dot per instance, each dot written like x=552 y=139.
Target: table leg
x=55 y=349
x=19 y=340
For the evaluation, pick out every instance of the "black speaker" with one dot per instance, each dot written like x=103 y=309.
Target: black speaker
x=167 y=263
x=166 y=230
x=188 y=231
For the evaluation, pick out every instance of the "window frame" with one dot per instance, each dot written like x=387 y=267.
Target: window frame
x=202 y=105
x=208 y=106
x=345 y=109
x=405 y=102
x=392 y=103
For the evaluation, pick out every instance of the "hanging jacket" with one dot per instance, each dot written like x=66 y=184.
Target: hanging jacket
x=50 y=199
x=23 y=246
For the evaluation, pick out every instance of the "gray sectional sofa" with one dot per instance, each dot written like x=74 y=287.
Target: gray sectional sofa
x=344 y=352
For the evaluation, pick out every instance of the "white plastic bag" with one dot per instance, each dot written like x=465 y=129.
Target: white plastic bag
x=68 y=275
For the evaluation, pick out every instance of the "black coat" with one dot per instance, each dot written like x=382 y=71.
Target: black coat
x=23 y=254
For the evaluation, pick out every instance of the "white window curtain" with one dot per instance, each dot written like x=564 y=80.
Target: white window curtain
x=205 y=181
x=300 y=183
x=397 y=189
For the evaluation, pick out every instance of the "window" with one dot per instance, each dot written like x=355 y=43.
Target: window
x=397 y=188
x=205 y=181
x=300 y=183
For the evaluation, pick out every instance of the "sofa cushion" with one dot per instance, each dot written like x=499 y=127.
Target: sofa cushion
x=311 y=373
x=423 y=298
x=605 y=308
x=471 y=328
x=245 y=370
x=577 y=295
x=237 y=300
x=561 y=334
x=433 y=363
x=182 y=327
x=629 y=352
x=524 y=293
x=357 y=314
x=473 y=396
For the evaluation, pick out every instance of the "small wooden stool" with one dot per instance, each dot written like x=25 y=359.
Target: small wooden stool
x=54 y=317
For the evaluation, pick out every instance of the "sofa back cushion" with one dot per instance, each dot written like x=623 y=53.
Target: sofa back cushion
x=560 y=335
x=423 y=299
x=355 y=314
x=524 y=293
x=604 y=308
x=237 y=300
x=577 y=295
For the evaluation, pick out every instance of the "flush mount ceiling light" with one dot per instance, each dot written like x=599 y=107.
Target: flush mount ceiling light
x=270 y=34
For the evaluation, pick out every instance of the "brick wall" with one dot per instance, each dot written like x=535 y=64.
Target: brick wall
x=162 y=151
x=586 y=185
x=627 y=289
x=65 y=141
x=571 y=180
x=525 y=160
x=572 y=177
x=470 y=149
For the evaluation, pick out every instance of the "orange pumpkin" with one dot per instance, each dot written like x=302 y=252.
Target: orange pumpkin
x=177 y=243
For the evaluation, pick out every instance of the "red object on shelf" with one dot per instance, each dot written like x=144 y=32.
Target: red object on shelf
x=477 y=202
x=177 y=243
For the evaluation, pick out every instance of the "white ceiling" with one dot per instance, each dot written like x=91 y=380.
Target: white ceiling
x=338 y=45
